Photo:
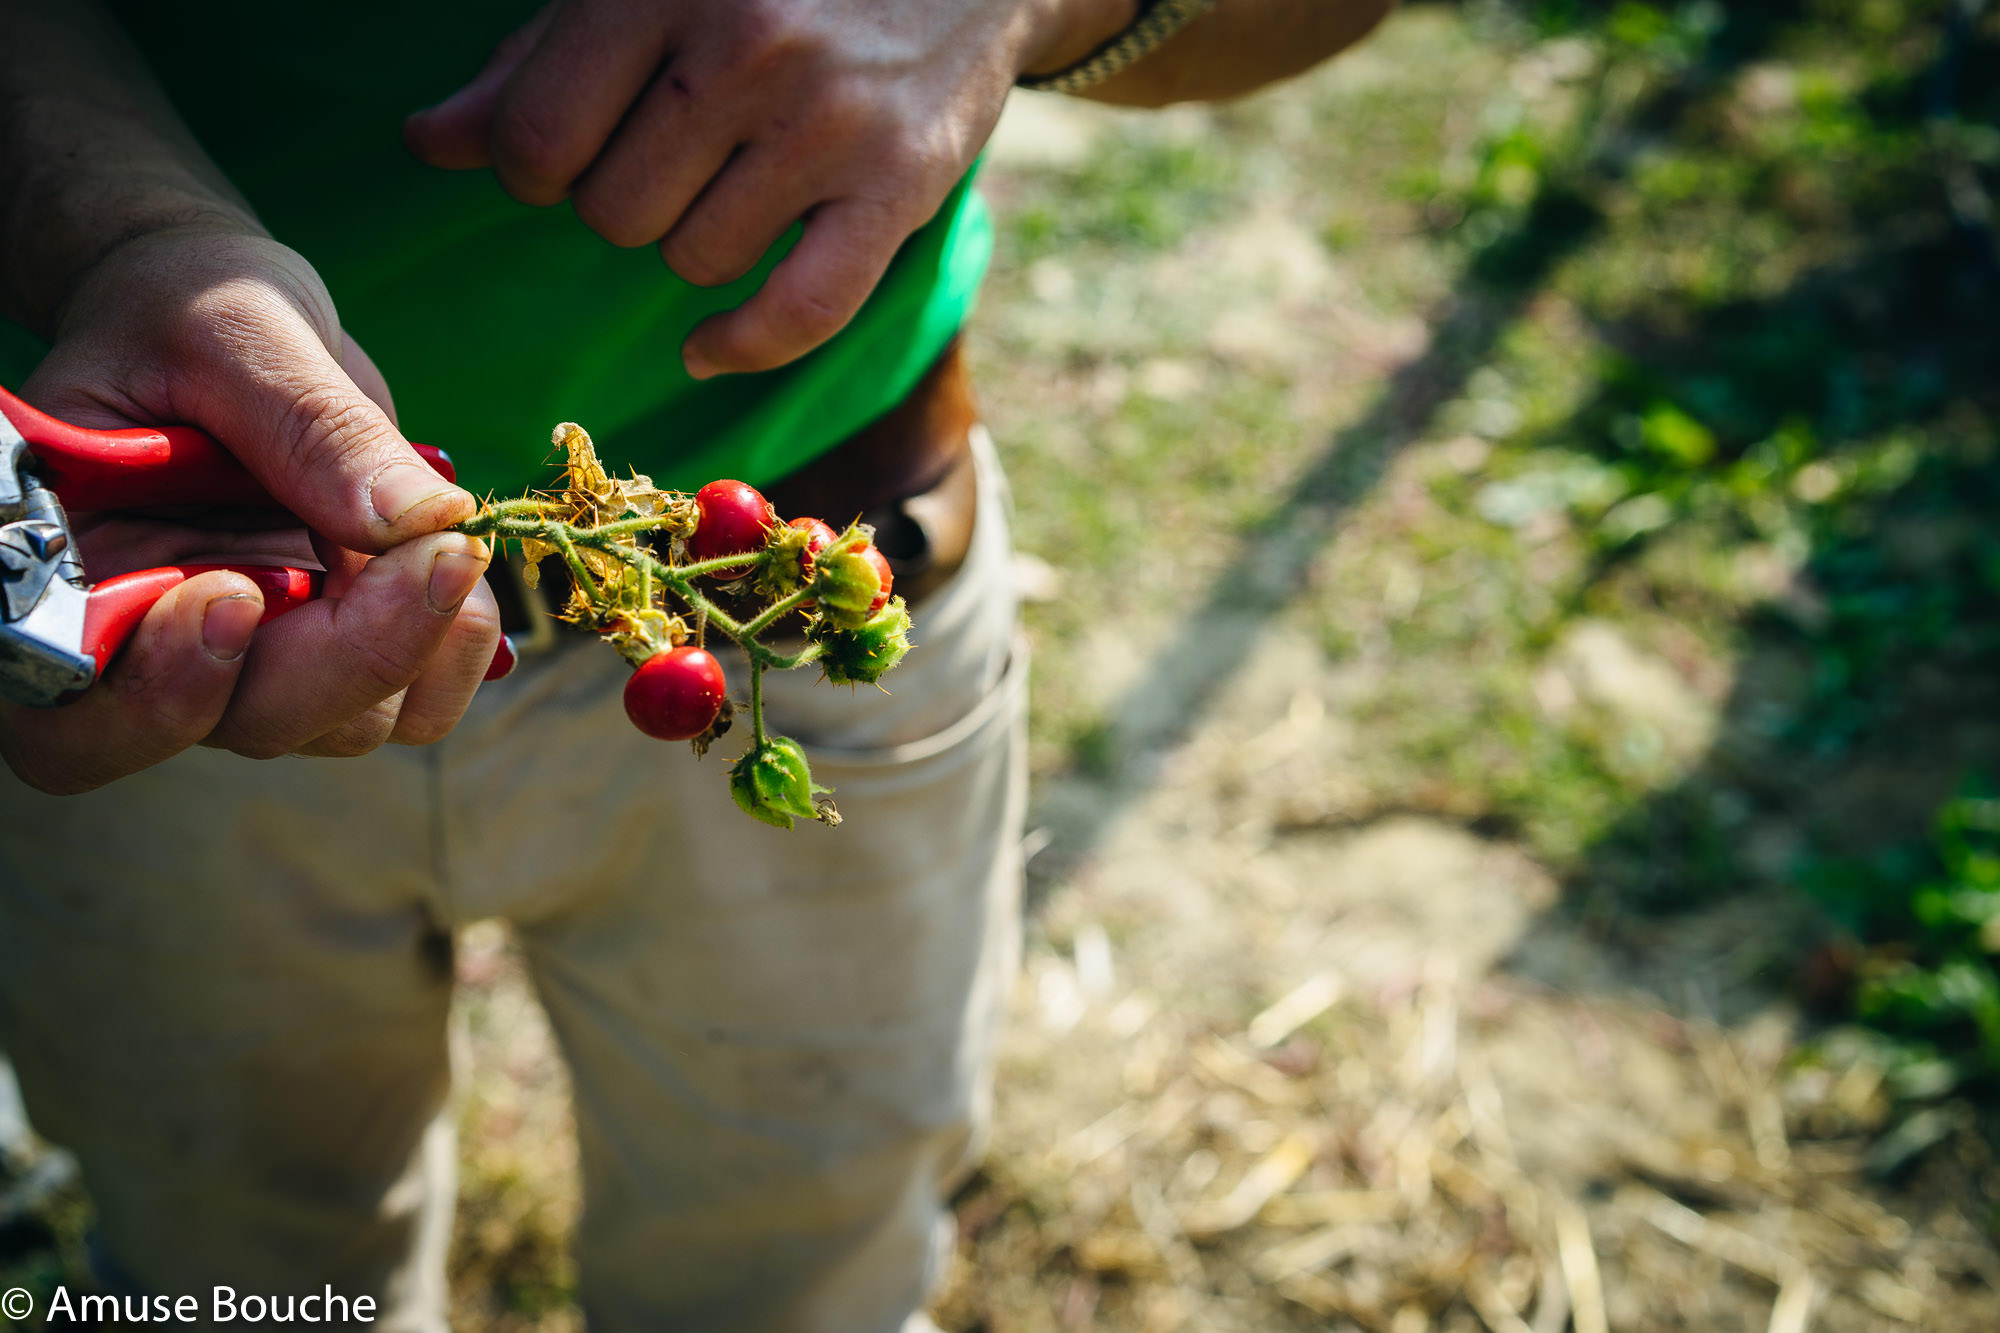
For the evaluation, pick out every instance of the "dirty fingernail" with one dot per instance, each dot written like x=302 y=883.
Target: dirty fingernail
x=404 y=486
x=227 y=624
x=452 y=575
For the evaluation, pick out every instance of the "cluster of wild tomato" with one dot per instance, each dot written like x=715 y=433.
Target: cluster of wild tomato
x=678 y=693
x=730 y=567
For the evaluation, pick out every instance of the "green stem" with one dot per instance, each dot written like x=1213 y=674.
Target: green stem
x=578 y=570
x=716 y=564
x=753 y=628
x=624 y=527
x=527 y=519
x=757 y=700
x=701 y=606
x=527 y=504
x=499 y=515
x=779 y=662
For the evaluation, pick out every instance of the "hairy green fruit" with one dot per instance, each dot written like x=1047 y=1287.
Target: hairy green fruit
x=773 y=782
x=861 y=656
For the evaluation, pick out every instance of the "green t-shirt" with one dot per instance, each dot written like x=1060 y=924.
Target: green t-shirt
x=491 y=320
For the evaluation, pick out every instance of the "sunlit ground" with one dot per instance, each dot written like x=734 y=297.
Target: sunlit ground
x=1510 y=519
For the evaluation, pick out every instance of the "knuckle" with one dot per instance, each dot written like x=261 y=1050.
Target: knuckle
x=361 y=734
x=230 y=318
x=424 y=727
x=810 y=312
x=909 y=163
x=843 y=109
x=180 y=722
x=258 y=747
x=695 y=258
x=382 y=671
x=608 y=210
x=534 y=151
x=768 y=36
x=349 y=742
x=175 y=714
x=308 y=296
x=327 y=428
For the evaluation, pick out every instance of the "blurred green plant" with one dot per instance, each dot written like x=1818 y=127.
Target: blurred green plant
x=1932 y=910
x=1790 y=302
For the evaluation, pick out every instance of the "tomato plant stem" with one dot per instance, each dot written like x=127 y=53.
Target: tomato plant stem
x=757 y=701
x=771 y=613
x=577 y=569
x=531 y=520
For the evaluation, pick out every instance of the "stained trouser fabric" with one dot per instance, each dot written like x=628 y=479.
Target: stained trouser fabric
x=225 y=985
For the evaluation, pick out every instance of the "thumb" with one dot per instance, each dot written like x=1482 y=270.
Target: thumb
x=320 y=444
x=457 y=133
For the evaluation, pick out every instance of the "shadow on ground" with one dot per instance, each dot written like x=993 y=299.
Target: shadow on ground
x=1501 y=279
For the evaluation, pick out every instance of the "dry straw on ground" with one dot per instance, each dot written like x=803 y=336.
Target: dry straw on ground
x=1390 y=1162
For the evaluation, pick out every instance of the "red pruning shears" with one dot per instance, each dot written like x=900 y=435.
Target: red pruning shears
x=57 y=633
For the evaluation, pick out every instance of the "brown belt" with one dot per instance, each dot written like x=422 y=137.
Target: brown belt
x=909 y=473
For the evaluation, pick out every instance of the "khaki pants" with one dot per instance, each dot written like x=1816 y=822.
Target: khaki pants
x=225 y=984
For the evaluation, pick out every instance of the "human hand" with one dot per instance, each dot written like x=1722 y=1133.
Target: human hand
x=235 y=334
x=711 y=126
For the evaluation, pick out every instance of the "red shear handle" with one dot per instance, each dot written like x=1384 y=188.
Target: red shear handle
x=116 y=606
x=146 y=466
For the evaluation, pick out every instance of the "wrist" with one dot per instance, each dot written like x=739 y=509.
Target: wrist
x=1074 y=28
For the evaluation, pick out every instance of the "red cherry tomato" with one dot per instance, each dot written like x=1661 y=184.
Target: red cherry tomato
x=734 y=518
x=675 y=695
x=881 y=563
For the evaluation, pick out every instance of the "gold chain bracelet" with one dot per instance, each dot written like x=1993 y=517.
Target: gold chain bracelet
x=1158 y=21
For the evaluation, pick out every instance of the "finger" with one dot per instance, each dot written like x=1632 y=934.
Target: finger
x=810 y=296
x=268 y=388
x=438 y=698
x=341 y=563
x=741 y=215
x=358 y=735
x=560 y=106
x=669 y=147
x=320 y=666
x=457 y=133
x=163 y=694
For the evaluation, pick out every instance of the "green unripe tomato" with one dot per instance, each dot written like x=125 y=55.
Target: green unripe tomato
x=773 y=782
x=863 y=656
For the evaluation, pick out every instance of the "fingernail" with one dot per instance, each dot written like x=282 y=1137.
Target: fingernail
x=504 y=661
x=403 y=486
x=453 y=573
x=697 y=365
x=227 y=624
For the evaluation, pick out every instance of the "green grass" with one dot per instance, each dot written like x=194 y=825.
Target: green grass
x=1734 y=402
